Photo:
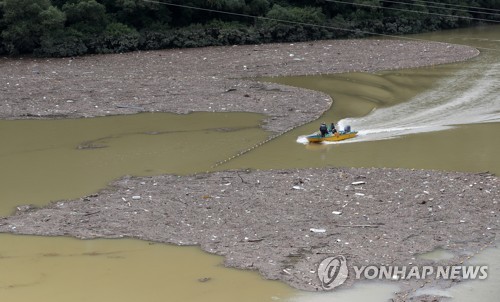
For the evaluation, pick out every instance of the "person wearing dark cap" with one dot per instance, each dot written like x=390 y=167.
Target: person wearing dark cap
x=323 y=129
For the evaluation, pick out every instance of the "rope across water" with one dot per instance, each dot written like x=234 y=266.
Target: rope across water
x=222 y=162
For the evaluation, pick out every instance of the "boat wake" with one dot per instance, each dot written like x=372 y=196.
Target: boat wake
x=468 y=97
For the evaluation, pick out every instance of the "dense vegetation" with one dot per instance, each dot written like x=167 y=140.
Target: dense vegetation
x=75 y=27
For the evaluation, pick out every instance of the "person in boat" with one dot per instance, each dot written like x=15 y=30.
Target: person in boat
x=323 y=129
x=332 y=128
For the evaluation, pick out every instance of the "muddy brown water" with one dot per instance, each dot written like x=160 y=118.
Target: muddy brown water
x=42 y=161
x=66 y=269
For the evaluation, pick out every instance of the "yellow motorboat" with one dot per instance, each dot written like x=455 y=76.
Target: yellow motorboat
x=329 y=137
x=317 y=138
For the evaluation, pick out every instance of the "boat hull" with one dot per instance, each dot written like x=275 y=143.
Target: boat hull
x=317 y=138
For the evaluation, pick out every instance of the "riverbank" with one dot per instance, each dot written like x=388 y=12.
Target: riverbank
x=256 y=219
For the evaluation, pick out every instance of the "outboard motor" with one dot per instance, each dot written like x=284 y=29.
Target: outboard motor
x=347 y=128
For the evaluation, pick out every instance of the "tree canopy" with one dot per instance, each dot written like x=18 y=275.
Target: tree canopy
x=76 y=27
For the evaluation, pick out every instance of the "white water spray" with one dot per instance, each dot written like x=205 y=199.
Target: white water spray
x=468 y=97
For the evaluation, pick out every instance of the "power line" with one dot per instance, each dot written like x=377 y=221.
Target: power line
x=298 y=23
x=411 y=11
x=263 y=18
x=442 y=7
x=458 y=5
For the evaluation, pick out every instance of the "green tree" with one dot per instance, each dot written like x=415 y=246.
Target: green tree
x=117 y=37
x=312 y=15
x=26 y=21
x=86 y=16
x=73 y=27
x=138 y=13
x=62 y=43
x=231 y=5
x=258 y=7
x=2 y=27
x=52 y=19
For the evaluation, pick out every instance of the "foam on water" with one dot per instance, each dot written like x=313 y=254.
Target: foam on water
x=302 y=139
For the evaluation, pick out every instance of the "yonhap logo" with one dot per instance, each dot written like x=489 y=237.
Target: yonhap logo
x=332 y=272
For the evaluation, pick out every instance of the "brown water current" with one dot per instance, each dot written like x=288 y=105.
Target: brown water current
x=46 y=160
